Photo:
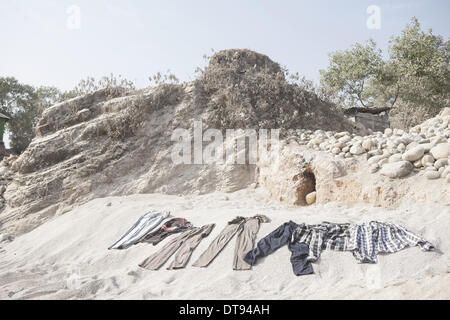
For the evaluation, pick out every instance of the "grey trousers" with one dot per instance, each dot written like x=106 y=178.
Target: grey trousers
x=246 y=228
x=185 y=242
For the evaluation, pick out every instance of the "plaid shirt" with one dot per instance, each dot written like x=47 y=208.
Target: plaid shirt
x=322 y=236
x=368 y=239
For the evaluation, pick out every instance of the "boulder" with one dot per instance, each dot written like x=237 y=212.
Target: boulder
x=431 y=175
x=441 y=151
x=413 y=154
x=310 y=198
x=395 y=158
x=367 y=144
x=357 y=149
x=427 y=159
x=397 y=169
x=441 y=163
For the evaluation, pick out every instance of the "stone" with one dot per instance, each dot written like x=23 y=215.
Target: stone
x=375 y=159
x=427 y=147
x=438 y=164
x=388 y=132
x=357 y=149
x=344 y=139
x=335 y=150
x=375 y=152
x=413 y=154
x=418 y=164
x=441 y=151
x=397 y=169
x=311 y=198
x=437 y=140
x=427 y=159
x=374 y=168
x=316 y=141
x=431 y=175
x=446 y=171
x=401 y=147
x=395 y=158
x=367 y=144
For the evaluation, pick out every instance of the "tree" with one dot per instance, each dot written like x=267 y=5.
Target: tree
x=24 y=105
x=421 y=61
x=414 y=78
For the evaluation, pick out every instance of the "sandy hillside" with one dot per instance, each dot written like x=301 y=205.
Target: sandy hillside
x=67 y=257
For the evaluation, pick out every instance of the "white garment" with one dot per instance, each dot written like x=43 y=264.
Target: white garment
x=140 y=229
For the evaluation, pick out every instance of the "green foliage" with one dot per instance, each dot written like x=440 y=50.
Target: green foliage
x=422 y=64
x=414 y=76
x=24 y=105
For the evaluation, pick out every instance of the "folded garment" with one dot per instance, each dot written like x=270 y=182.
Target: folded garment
x=140 y=229
x=172 y=226
x=246 y=228
x=185 y=243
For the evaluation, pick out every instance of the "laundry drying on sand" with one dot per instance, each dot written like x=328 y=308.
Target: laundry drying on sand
x=246 y=230
x=140 y=229
x=185 y=243
x=306 y=242
x=170 y=227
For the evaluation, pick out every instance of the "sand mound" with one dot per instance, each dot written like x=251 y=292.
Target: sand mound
x=67 y=258
x=118 y=142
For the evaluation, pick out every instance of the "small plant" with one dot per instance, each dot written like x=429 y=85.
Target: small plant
x=167 y=78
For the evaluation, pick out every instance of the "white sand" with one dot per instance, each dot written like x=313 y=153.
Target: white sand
x=68 y=257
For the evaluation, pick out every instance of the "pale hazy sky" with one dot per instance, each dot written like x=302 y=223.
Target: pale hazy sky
x=138 y=38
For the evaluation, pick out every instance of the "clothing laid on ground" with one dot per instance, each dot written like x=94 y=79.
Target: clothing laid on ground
x=246 y=228
x=172 y=226
x=185 y=243
x=140 y=229
x=306 y=242
x=321 y=236
x=368 y=239
x=278 y=238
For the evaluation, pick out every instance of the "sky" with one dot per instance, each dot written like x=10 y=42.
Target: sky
x=59 y=42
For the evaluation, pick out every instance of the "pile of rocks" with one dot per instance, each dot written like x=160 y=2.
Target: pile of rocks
x=395 y=153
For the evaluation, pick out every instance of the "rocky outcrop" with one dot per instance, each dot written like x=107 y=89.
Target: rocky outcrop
x=426 y=147
x=118 y=142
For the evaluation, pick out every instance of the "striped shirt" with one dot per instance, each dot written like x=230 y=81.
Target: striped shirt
x=368 y=239
x=326 y=235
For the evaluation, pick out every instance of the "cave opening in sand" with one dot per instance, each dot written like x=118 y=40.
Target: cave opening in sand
x=306 y=185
